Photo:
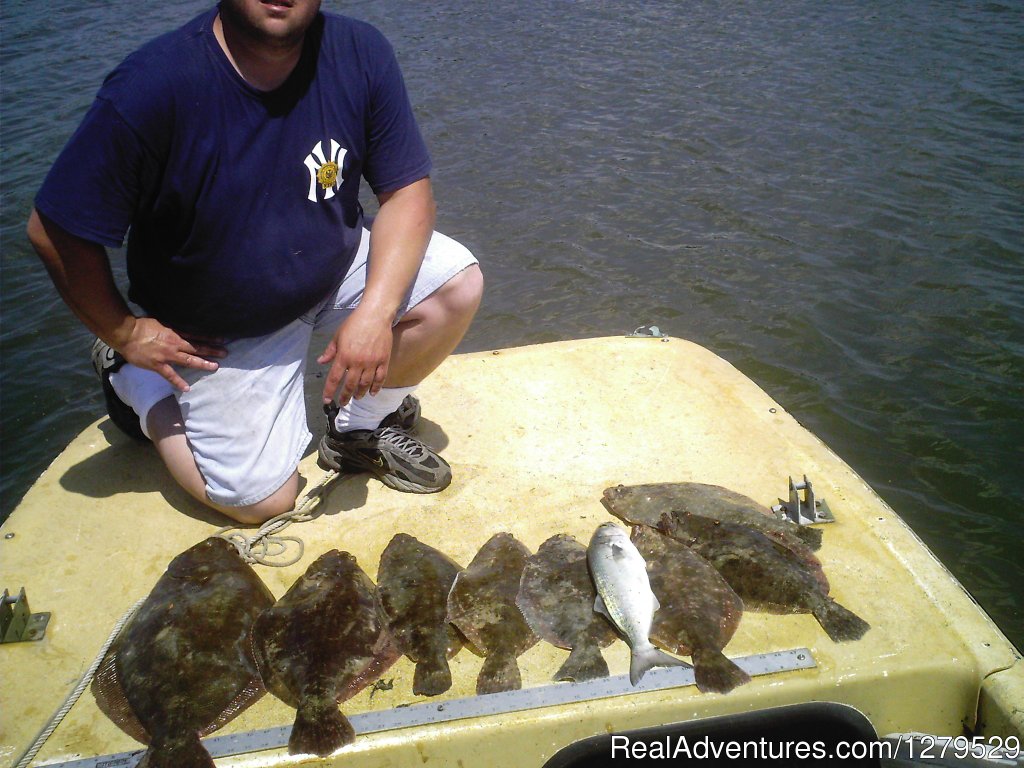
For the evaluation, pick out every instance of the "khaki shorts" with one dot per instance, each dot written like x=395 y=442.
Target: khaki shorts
x=246 y=421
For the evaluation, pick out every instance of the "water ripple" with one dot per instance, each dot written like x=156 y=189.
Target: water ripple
x=829 y=195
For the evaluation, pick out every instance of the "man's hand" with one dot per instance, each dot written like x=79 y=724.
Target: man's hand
x=80 y=270
x=359 y=353
x=156 y=347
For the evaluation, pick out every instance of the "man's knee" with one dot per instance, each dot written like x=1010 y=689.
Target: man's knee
x=461 y=295
x=280 y=501
x=452 y=306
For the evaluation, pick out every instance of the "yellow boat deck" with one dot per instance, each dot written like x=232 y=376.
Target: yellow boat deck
x=533 y=435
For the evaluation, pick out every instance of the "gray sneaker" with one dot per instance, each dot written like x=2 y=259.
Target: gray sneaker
x=388 y=452
x=404 y=417
x=105 y=361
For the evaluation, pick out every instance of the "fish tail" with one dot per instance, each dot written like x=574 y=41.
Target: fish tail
x=500 y=672
x=715 y=672
x=585 y=662
x=319 y=727
x=646 y=657
x=182 y=752
x=432 y=677
x=840 y=624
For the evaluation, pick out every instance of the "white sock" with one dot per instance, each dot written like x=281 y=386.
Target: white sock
x=369 y=411
x=141 y=390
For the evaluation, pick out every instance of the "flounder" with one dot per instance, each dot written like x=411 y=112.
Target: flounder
x=624 y=595
x=182 y=667
x=556 y=597
x=320 y=644
x=414 y=580
x=482 y=605
x=645 y=504
x=699 y=611
x=766 y=575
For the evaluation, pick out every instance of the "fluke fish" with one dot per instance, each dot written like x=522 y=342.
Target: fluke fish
x=183 y=666
x=556 y=596
x=321 y=643
x=699 y=611
x=765 y=574
x=482 y=605
x=414 y=580
x=645 y=504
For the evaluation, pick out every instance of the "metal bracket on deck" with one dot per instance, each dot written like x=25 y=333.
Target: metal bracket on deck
x=647 y=332
x=805 y=511
x=17 y=622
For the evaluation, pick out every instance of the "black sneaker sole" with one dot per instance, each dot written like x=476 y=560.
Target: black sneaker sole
x=123 y=416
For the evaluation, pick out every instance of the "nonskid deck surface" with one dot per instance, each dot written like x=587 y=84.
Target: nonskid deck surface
x=534 y=436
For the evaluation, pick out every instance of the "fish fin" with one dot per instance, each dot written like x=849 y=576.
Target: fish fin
x=585 y=662
x=500 y=672
x=432 y=677
x=644 y=659
x=248 y=696
x=385 y=653
x=319 y=728
x=618 y=551
x=665 y=524
x=656 y=605
x=840 y=623
x=600 y=607
x=811 y=537
x=111 y=700
x=184 y=751
x=714 y=672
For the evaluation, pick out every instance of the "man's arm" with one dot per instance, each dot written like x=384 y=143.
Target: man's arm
x=80 y=270
x=360 y=351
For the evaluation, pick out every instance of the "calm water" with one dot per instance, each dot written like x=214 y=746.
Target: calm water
x=830 y=196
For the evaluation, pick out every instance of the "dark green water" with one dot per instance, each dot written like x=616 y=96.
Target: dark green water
x=830 y=196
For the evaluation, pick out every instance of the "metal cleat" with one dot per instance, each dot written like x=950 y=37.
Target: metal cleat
x=17 y=622
x=805 y=511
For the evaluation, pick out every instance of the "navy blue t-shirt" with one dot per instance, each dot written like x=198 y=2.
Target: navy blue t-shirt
x=241 y=206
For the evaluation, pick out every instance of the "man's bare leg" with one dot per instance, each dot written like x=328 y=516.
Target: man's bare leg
x=430 y=331
x=167 y=430
x=427 y=334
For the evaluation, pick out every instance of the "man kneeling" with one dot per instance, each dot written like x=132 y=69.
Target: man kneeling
x=231 y=152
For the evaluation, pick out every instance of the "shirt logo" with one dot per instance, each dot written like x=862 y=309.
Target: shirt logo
x=325 y=170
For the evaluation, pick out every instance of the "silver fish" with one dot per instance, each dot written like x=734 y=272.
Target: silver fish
x=624 y=595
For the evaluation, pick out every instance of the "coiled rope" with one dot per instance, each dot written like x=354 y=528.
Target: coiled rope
x=262 y=548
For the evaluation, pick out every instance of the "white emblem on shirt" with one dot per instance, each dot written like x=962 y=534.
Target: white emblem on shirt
x=325 y=170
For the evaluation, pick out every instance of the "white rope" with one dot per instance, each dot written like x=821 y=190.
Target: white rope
x=73 y=697
x=266 y=548
x=261 y=548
